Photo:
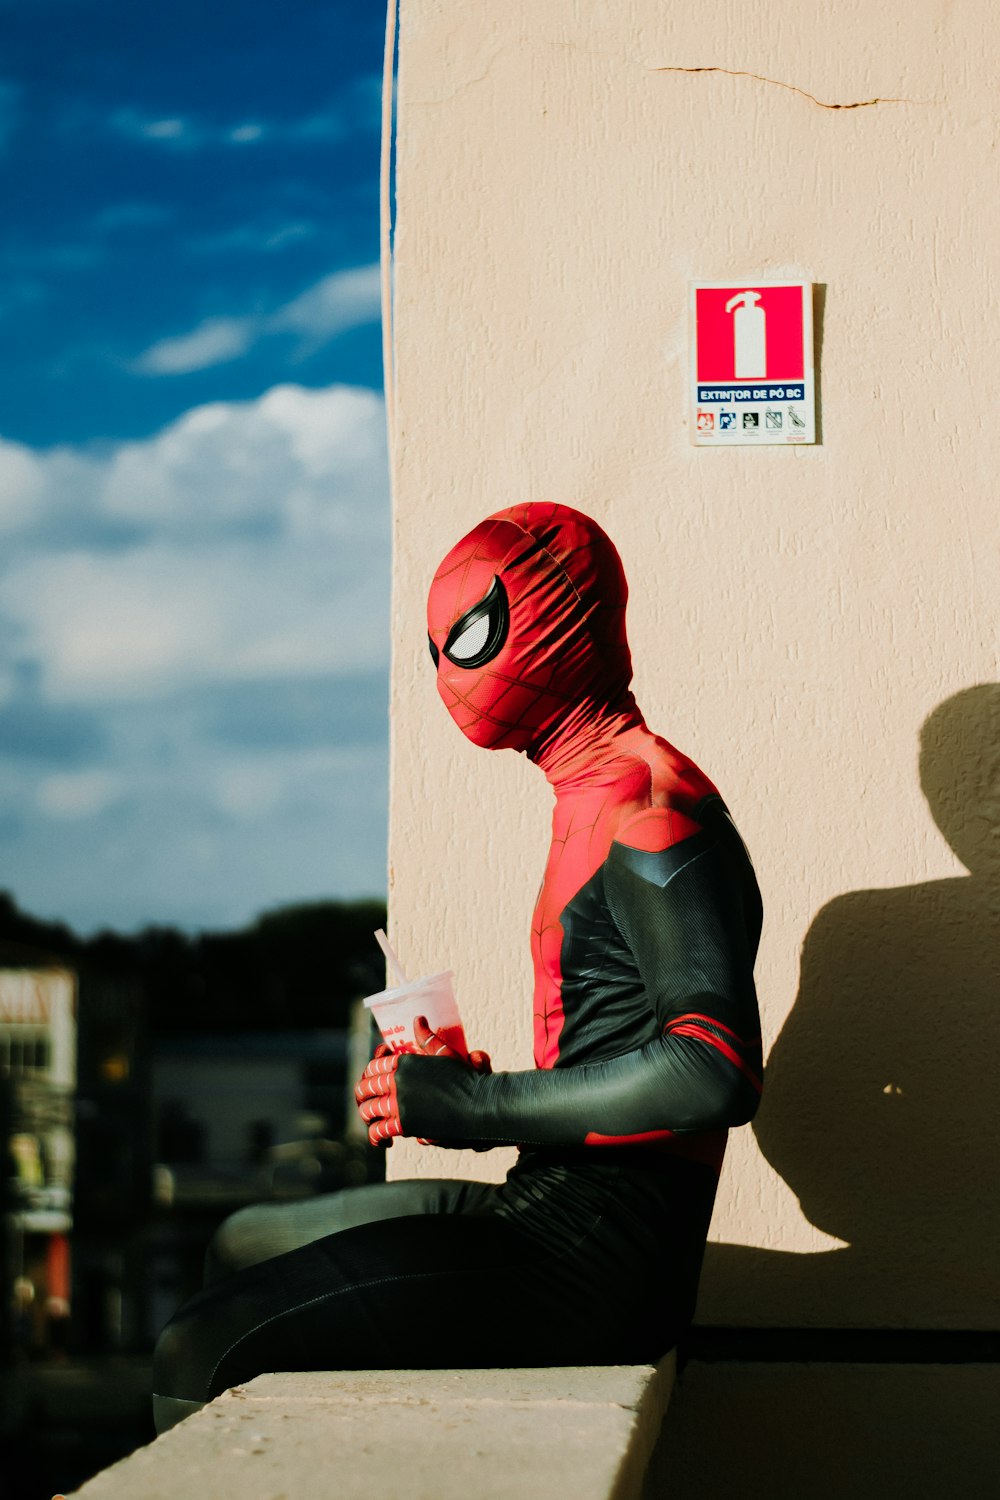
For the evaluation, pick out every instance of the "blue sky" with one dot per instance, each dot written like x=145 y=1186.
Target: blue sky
x=194 y=551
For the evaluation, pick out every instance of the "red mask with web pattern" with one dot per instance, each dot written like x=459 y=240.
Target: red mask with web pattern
x=526 y=619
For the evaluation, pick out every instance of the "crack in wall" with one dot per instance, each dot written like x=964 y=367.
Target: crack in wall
x=776 y=82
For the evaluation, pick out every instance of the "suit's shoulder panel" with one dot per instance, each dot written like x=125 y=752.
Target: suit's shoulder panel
x=660 y=866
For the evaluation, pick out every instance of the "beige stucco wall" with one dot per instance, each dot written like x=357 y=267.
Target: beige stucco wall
x=564 y=170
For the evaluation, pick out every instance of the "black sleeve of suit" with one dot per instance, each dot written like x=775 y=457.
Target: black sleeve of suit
x=691 y=917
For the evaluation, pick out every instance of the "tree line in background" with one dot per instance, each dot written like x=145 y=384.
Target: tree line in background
x=295 y=967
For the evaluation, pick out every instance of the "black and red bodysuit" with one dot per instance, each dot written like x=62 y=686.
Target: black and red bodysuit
x=647 y=1043
x=646 y=925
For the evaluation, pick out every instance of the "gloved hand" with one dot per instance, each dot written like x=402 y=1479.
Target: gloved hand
x=376 y=1094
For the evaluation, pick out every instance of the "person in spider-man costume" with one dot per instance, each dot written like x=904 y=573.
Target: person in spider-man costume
x=647 y=1042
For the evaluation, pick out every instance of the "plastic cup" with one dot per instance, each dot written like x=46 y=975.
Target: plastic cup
x=396 y=1010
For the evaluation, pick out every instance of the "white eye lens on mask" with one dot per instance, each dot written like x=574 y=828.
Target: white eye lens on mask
x=479 y=634
x=471 y=641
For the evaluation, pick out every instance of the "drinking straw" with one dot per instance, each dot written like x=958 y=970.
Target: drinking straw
x=394 y=964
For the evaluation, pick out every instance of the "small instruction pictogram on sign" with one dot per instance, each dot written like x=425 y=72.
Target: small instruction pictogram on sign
x=752 y=353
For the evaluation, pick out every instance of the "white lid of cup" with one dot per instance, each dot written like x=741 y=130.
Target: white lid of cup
x=403 y=991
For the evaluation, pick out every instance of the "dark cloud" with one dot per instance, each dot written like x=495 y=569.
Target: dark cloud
x=63 y=530
x=298 y=713
x=172 y=856
x=12 y=826
x=32 y=730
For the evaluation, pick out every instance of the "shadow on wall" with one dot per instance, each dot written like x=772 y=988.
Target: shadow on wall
x=880 y=1109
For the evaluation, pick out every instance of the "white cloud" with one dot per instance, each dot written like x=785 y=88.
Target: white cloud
x=163 y=130
x=286 y=234
x=244 y=135
x=212 y=606
x=294 y=460
x=126 y=622
x=168 y=131
x=213 y=342
x=143 y=623
x=43 y=495
x=342 y=300
x=357 y=109
x=260 y=548
x=261 y=236
x=22 y=486
x=77 y=794
x=250 y=789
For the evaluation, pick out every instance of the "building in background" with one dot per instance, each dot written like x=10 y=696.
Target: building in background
x=38 y=1025
x=239 y=1119
x=123 y=1152
x=114 y=1133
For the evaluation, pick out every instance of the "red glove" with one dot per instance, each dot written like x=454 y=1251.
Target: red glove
x=376 y=1089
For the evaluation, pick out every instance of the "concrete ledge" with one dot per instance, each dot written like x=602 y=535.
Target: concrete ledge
x=410 y=1435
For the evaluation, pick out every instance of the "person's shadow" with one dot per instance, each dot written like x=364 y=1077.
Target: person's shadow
x=881 y=1103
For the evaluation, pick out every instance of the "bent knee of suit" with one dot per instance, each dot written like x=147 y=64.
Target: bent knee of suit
x=177 y=1369
x=234 y=1245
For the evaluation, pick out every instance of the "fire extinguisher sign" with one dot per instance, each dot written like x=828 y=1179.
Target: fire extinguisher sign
x=752 y=363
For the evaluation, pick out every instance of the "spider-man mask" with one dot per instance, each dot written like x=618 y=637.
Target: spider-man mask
x=526 y=618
